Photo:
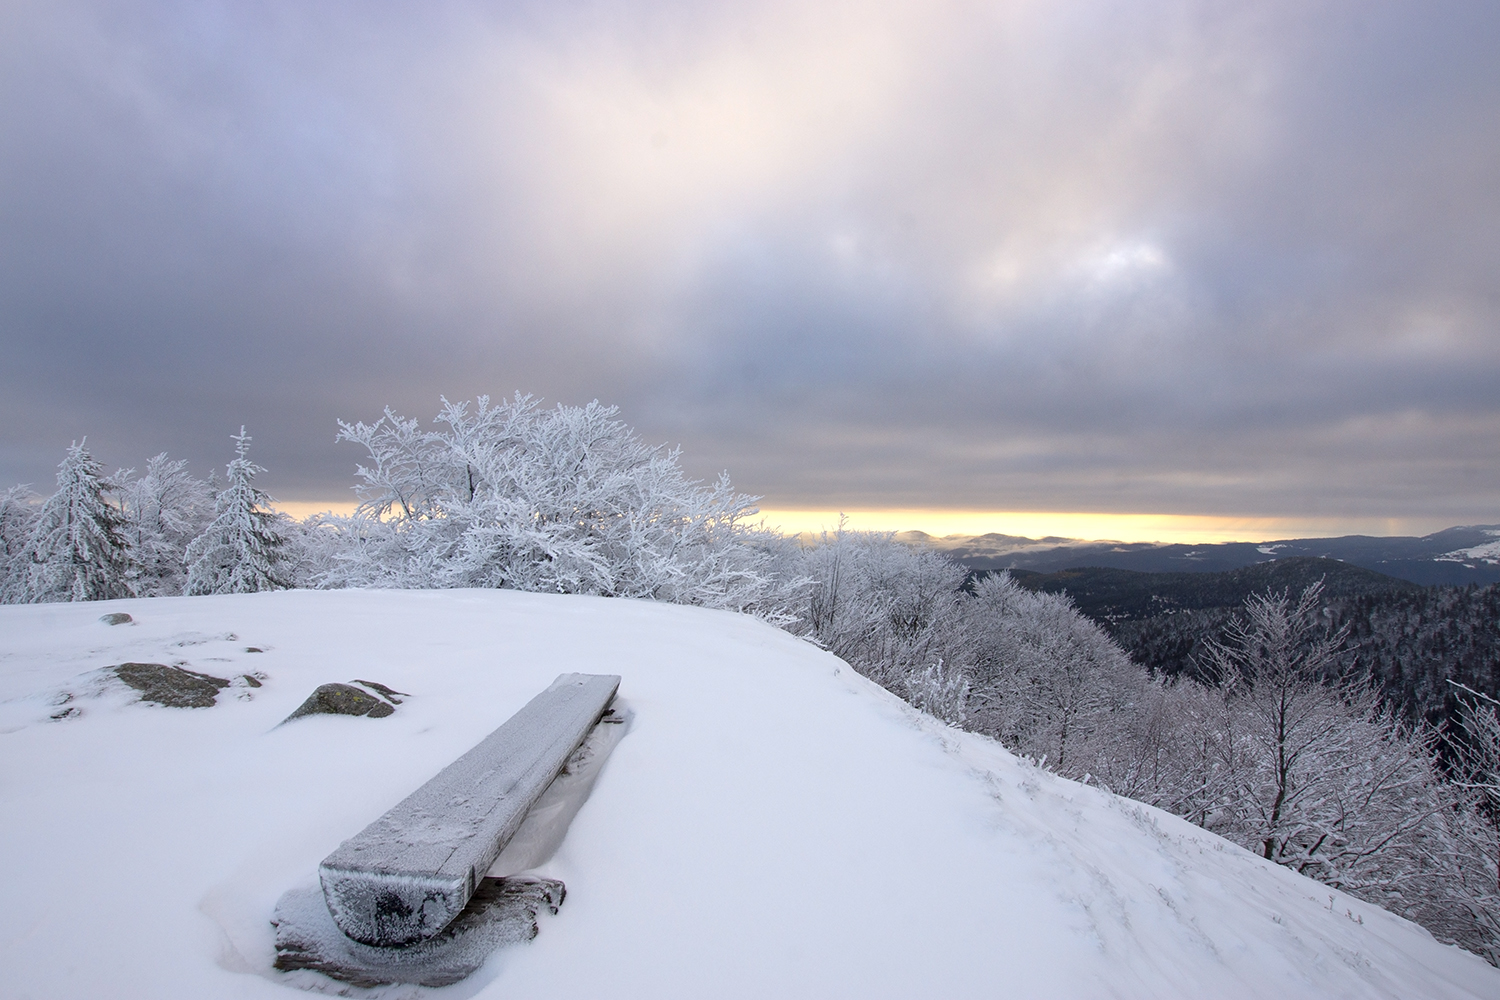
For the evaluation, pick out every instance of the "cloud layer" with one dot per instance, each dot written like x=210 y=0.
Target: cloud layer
x=1164 y=256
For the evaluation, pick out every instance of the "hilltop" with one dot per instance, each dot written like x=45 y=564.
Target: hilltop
x=772 y=824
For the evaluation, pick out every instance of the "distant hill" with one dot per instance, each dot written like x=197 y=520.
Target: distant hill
x=1453 y=556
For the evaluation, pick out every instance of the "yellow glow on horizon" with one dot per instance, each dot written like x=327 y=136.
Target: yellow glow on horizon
x=1181 y=528
x=300 y=509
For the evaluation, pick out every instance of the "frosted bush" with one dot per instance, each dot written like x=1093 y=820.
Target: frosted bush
x=562 y=500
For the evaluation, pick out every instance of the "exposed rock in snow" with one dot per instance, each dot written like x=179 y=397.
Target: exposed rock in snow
x=343 y=699
x=173 y=687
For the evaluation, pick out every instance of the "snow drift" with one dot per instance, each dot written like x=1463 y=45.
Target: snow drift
x=772 y=825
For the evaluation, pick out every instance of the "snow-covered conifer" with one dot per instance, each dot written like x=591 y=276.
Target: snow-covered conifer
x=78 y=549
x=18 y=510
x=240 y=552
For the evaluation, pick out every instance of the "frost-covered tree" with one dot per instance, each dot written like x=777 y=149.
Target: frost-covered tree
x=1307 y=768
x=78 y=549
x=567 y=500
x=308 y=548
x=1283 y=756
x=1478 y=755
x=1168 y=748
x=18 y=510
x=1047 y=680
x=1318 y=776
x=1472 y=825
x=893 y=611
x=1023 y=667
x=165 y=509
x=240 y=552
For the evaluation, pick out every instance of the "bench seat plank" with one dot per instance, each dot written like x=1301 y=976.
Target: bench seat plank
x=407 y=875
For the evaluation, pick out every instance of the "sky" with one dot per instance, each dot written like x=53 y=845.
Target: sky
x=1186 y=266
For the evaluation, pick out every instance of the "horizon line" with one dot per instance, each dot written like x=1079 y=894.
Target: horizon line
x=1189 y=529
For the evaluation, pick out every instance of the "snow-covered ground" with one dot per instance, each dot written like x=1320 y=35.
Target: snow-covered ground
x=1489 y=552
x=771 y=825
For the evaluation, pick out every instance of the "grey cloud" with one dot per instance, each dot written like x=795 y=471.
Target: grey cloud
x=1105 y=256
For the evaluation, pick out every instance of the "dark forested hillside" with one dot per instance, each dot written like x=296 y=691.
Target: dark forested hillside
x=1117 y=595
x=1411 y=639
x=1413 y=643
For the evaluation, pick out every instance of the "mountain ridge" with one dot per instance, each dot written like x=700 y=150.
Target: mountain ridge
x=1465 y=554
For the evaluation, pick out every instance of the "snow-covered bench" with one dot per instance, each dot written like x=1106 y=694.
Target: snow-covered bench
x=407 y=875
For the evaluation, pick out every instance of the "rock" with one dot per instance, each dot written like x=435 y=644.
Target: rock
x=171 y=686
x=116 y=618
x=342 y=699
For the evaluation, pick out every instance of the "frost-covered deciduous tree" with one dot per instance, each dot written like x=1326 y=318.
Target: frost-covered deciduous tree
x=1168 y=748
x=1319 y=777
x=567 y=500
x=1289 y=722
x=78 y=549
x=1308 y=769
x=1473 y=826
x=1047 y=680
x=1283 y=756
x=18 y=510
x=893 y=611
x=240 y=552
x=165 y=509
x=1023 y=667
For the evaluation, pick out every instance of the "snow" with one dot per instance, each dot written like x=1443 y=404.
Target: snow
x=771 y=824
x=1489 y=552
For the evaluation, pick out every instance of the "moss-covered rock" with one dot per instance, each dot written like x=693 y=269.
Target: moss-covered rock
x=343 y=699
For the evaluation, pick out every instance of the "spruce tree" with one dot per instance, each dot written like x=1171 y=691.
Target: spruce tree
x=18 y=512
x=79 y=550
x=240 y=552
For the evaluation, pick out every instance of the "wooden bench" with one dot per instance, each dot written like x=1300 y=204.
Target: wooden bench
x=407 y=875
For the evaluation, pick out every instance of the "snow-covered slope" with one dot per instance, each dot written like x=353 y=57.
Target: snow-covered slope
x=771 y=825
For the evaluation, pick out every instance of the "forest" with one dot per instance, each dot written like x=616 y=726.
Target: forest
x=1418 y=643
x=1332 y=721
